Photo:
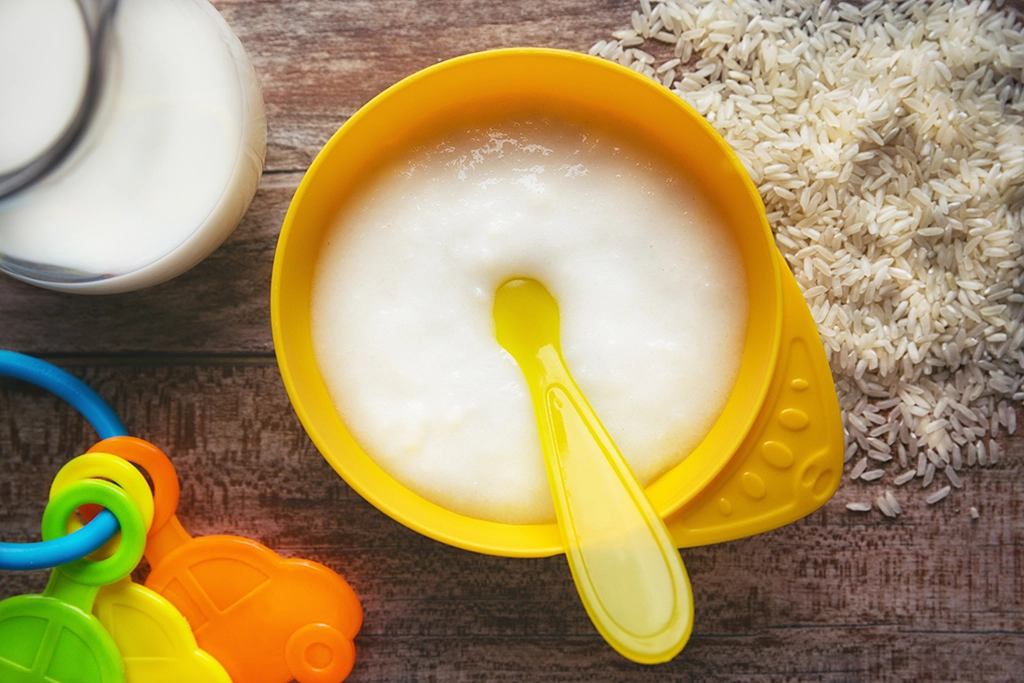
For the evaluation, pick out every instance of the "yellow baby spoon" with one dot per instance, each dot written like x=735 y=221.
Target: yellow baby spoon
x=627 y=570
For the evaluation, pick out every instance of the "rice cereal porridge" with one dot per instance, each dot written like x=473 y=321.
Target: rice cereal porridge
x=650 y=286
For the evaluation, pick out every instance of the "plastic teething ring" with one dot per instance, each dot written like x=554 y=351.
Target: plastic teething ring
x=98 y=465
x=166 y=488
x=117 y=501
x=65 y=549
x=46 y=554
x=68 y=387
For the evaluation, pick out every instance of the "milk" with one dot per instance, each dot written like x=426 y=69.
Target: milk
x=165 y=171
x=650 y=286
x=43 y=70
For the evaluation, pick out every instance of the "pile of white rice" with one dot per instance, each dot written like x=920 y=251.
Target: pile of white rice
x=887 y=142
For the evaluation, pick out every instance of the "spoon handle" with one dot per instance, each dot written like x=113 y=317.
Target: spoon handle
x=627 y=570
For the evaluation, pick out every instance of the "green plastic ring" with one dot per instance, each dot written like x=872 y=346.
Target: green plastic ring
x=133 y=529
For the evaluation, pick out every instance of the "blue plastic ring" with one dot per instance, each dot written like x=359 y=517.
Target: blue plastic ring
x=93 y=535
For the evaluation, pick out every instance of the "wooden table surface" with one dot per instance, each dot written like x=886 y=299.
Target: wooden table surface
x=189 y=365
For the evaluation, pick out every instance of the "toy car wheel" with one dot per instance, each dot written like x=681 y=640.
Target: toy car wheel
x=319 y=653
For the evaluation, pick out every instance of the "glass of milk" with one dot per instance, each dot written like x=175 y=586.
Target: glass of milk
x=168 y=163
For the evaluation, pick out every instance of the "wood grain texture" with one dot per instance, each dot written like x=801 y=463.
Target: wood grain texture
x=836 y=597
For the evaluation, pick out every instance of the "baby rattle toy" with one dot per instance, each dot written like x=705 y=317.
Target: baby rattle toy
x=212 y=610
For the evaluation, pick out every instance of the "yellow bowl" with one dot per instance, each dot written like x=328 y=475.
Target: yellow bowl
x=480 y=87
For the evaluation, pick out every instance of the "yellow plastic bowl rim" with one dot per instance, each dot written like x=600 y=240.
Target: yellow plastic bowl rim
x=479 y=87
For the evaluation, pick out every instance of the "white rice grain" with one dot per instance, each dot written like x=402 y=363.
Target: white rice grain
x=937 y=496
x=890 y=497
x=954 y=478
x=859 y=468
x=872 y=475
x=904 y=478
x=929 y=475
x=884 y=507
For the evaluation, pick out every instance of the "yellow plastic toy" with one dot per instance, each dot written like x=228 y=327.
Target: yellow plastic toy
x=775 y=453
x=118 y=471
x=154 y=639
